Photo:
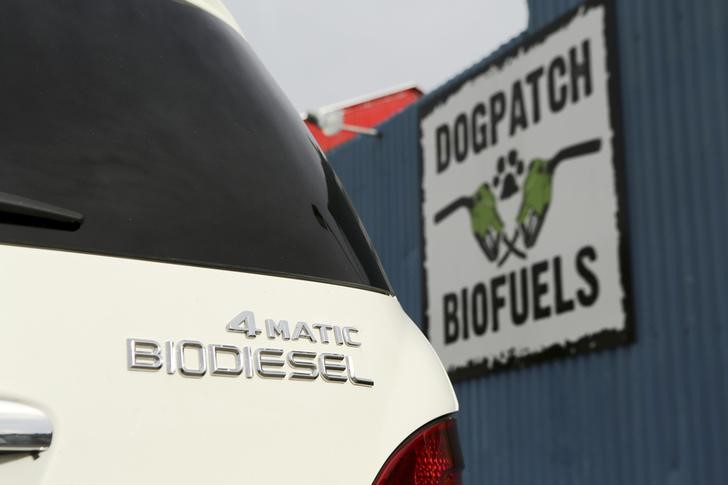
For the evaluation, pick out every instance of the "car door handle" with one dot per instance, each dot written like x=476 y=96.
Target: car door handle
x=23 y=428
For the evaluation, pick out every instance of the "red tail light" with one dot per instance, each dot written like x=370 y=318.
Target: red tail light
x=431 y=456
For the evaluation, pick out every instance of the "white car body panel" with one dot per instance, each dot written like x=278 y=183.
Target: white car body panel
x=66 y=317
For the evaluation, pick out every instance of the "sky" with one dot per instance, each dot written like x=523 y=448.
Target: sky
x=326 y=51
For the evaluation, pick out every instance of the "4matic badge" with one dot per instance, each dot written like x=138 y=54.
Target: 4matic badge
x=192 y=358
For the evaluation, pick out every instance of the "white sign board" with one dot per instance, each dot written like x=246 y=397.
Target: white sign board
x=523 y=226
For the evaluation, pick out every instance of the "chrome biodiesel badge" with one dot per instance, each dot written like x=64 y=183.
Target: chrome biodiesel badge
x=192 y=358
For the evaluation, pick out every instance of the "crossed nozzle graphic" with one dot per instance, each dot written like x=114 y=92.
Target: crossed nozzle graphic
x=485 y=221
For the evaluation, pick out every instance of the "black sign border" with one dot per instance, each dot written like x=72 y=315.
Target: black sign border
x=605 y=339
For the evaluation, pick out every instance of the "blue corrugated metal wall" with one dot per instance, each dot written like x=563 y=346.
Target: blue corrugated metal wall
x=655 y=412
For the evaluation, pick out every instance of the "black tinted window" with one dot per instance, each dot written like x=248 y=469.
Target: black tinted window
x=155 y=121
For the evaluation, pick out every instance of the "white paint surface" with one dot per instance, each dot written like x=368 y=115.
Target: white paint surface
x=218 y=9
x=65 y=320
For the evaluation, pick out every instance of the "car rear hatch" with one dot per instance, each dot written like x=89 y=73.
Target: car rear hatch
x=188 y=295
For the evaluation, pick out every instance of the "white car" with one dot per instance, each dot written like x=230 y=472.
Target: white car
x=188 y=296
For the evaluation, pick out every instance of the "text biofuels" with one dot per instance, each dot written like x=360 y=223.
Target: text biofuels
x=531 y=293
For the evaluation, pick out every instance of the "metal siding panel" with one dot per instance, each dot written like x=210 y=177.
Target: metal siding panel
x=653 y=412
x=381 y=177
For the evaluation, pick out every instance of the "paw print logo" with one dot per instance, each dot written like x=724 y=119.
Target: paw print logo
x=498 y=239
x=509 y=170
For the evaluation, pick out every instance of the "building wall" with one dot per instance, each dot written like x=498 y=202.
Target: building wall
x=653 y=412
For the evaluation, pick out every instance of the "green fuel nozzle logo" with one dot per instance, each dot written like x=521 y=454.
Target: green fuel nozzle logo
x=486 y=223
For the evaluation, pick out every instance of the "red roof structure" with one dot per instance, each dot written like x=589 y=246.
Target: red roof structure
x=338 y=123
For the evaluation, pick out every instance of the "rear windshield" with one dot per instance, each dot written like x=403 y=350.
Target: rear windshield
x=155 y=121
